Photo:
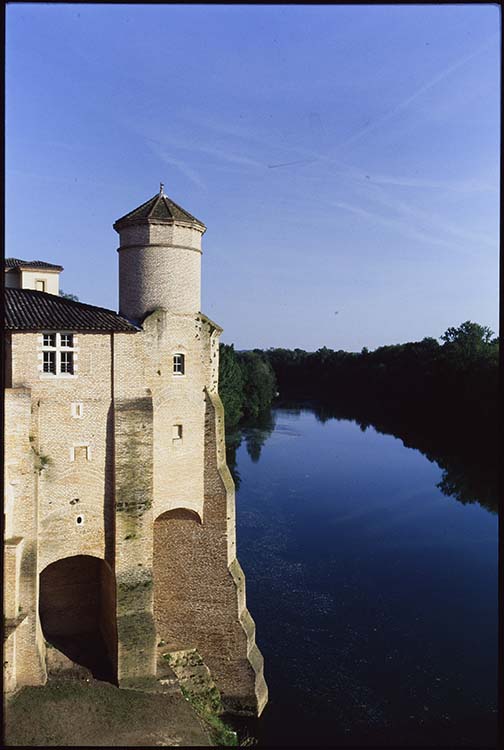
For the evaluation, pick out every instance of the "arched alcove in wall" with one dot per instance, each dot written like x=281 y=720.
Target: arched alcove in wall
x=78 y=612
x=177 y=549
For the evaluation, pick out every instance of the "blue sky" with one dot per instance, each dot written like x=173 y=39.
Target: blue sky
x=345 y=159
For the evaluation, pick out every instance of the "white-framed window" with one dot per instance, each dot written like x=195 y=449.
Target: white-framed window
x=40 y=285
x=58 y=354
x=178 y=364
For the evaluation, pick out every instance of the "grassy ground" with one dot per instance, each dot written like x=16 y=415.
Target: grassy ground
x=69 y=712
x=220 y=733
x=198 y=688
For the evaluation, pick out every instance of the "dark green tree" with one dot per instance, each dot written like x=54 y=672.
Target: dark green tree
x=469 y=340
x=231 y=385
x=259 y=383
x=68 y=295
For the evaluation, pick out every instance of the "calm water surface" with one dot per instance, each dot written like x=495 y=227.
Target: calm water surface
x=374 y=595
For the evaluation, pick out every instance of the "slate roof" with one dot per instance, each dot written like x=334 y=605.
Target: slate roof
x=29 y=310
x=17 y=263
x=157 y=209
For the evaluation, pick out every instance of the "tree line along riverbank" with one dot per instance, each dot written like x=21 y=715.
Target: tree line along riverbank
x=441 y=398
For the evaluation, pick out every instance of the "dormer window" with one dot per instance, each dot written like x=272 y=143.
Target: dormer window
x=178 y=364
x=58 y=353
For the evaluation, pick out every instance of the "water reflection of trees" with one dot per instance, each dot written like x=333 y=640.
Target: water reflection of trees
x=467 y=455
x=255 y=433
x=439 y=398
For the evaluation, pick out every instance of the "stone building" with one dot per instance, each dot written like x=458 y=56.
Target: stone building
x=119 y=505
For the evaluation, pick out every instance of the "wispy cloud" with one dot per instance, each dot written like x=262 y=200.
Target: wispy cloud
x=437 y=225
x=469 y=185
x=399 y=224
x=249 y=137
x=222 y=154
x=241 y=131
x=408 y=101
x=182 y=166
x=457 y=186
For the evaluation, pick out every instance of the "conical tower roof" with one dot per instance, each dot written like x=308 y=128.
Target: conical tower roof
x=158 y=209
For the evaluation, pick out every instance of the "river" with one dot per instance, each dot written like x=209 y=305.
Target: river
x=374 y=594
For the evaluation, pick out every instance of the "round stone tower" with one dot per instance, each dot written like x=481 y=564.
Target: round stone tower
x=159 y=259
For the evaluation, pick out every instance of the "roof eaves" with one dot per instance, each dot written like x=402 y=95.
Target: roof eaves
x=31 y=310
x=183 y=211
x=210 y=322
x=14 y=264
x=135 y=216
x=45 y=269
x=136 y=210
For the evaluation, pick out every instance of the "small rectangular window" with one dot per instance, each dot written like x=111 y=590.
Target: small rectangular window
x=49 y=339
x=177 y=432
x=178 y=364
x=80 y=453
x=67 y=339
x=50 y=362
x=40 y=286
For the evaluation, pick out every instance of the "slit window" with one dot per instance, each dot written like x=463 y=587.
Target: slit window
x=77 y=409
x=58 y=353
x=178 y=364
x=177 y=435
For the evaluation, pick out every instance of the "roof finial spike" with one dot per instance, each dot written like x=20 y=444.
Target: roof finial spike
x=161 y=189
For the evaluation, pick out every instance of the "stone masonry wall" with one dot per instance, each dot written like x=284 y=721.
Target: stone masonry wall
x=237 y=665
x=72 y=471
x=178 y=401
x=75 y=451
x=24 y=660
x=133 y=451
x=165 y=234
x=133 y=471
x=166 y=273
x=93 y=482
x=199 y=594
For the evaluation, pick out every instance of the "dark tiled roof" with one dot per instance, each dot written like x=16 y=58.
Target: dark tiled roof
x=160 y=208
x=17 y=263
x=28 y=310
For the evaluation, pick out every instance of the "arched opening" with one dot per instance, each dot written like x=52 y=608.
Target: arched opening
x=177 y=535
x=78 y=613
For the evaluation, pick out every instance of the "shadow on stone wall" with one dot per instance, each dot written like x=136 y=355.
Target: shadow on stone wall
x=77 y=613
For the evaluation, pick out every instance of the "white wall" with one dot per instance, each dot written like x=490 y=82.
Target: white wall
x=50 y=279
